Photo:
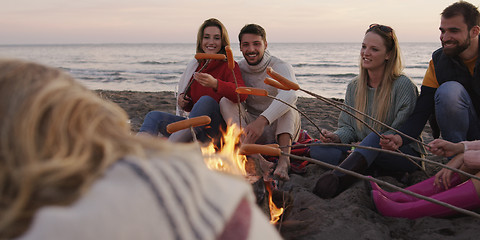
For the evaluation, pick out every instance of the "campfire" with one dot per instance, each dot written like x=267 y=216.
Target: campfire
x=227 y=158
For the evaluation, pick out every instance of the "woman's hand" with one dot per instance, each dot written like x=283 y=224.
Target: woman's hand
x=329 y=137
x=183 y=101
x=445 y=148
x=442 y=178
x=206 y=80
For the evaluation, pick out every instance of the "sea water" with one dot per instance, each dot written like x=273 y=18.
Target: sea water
x=323 y=68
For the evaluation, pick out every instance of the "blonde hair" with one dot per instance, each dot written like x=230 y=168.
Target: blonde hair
x=212 y=22
x=56 y=138
x=393 y=69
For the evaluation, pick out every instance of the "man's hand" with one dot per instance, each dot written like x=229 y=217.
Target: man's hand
x=254 y=130
x=391 y=142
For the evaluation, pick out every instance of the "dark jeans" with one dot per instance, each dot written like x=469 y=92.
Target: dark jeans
x=156 y=122
x=384 y=161
x=455 y=113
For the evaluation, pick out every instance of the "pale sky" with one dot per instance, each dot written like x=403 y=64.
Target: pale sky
x=177 y=21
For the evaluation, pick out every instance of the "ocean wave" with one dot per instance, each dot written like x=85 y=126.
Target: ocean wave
x=157 y=63
x=157 y=72
x=169 y=77
x=417 y=66
x=343 y=75
x=337 y=75
x=300 y=65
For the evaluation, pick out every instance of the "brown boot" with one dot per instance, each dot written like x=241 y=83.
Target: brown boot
x=333 y=182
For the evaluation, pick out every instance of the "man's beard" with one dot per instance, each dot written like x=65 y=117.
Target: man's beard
x=452 y=52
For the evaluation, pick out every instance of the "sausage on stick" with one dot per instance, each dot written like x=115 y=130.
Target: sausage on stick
x=191 y=122
x=248 y=149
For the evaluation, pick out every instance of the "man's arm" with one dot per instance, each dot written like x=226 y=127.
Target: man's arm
x=277 y=108
x=424 y=107
x=414 y=125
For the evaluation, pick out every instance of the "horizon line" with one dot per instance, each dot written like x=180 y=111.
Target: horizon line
x=131 y=43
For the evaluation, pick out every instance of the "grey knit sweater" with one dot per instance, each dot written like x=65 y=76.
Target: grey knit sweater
x=404 y=95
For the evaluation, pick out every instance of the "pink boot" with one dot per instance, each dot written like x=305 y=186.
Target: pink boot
x=425 y=188
x=464 y=196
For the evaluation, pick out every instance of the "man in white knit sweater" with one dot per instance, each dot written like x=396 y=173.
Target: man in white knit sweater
x=266 y=120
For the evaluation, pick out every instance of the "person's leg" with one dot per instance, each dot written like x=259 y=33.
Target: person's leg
x=394 y=163
x=455 y=113
x=230 y=112
x=209 y=107
x=287 y=130
x=464 y=195
x=426 y=188
x=386 y=161
x=332 y=183
x=156 y=122
x=206 y=105
x=283 y=165
x=328 y=154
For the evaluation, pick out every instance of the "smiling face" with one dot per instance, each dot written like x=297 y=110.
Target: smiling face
x=253 y=47
x=212 y=40
x=373 y=52
x=454 y=35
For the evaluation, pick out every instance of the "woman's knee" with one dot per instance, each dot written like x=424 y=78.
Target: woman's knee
x=326 y=154
x=153 y=116
x=207 y=100
x=206 y=105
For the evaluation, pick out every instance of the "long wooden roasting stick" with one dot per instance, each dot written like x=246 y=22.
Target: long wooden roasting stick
x=293 y=86
x=264 y=93
x=280 y=85
x=260 y=149
x=189 y=123
x=207 y=57
x=231 y=66
x=387 y=151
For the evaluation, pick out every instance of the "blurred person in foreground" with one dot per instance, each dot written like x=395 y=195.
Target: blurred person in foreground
x=70 y=168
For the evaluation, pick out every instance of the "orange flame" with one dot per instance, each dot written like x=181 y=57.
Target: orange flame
x=275 y=212
x=229 y=160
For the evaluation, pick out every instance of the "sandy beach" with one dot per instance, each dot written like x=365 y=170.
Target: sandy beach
x=350 y=215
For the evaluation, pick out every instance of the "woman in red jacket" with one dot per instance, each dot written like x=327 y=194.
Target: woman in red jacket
x=208 y=85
